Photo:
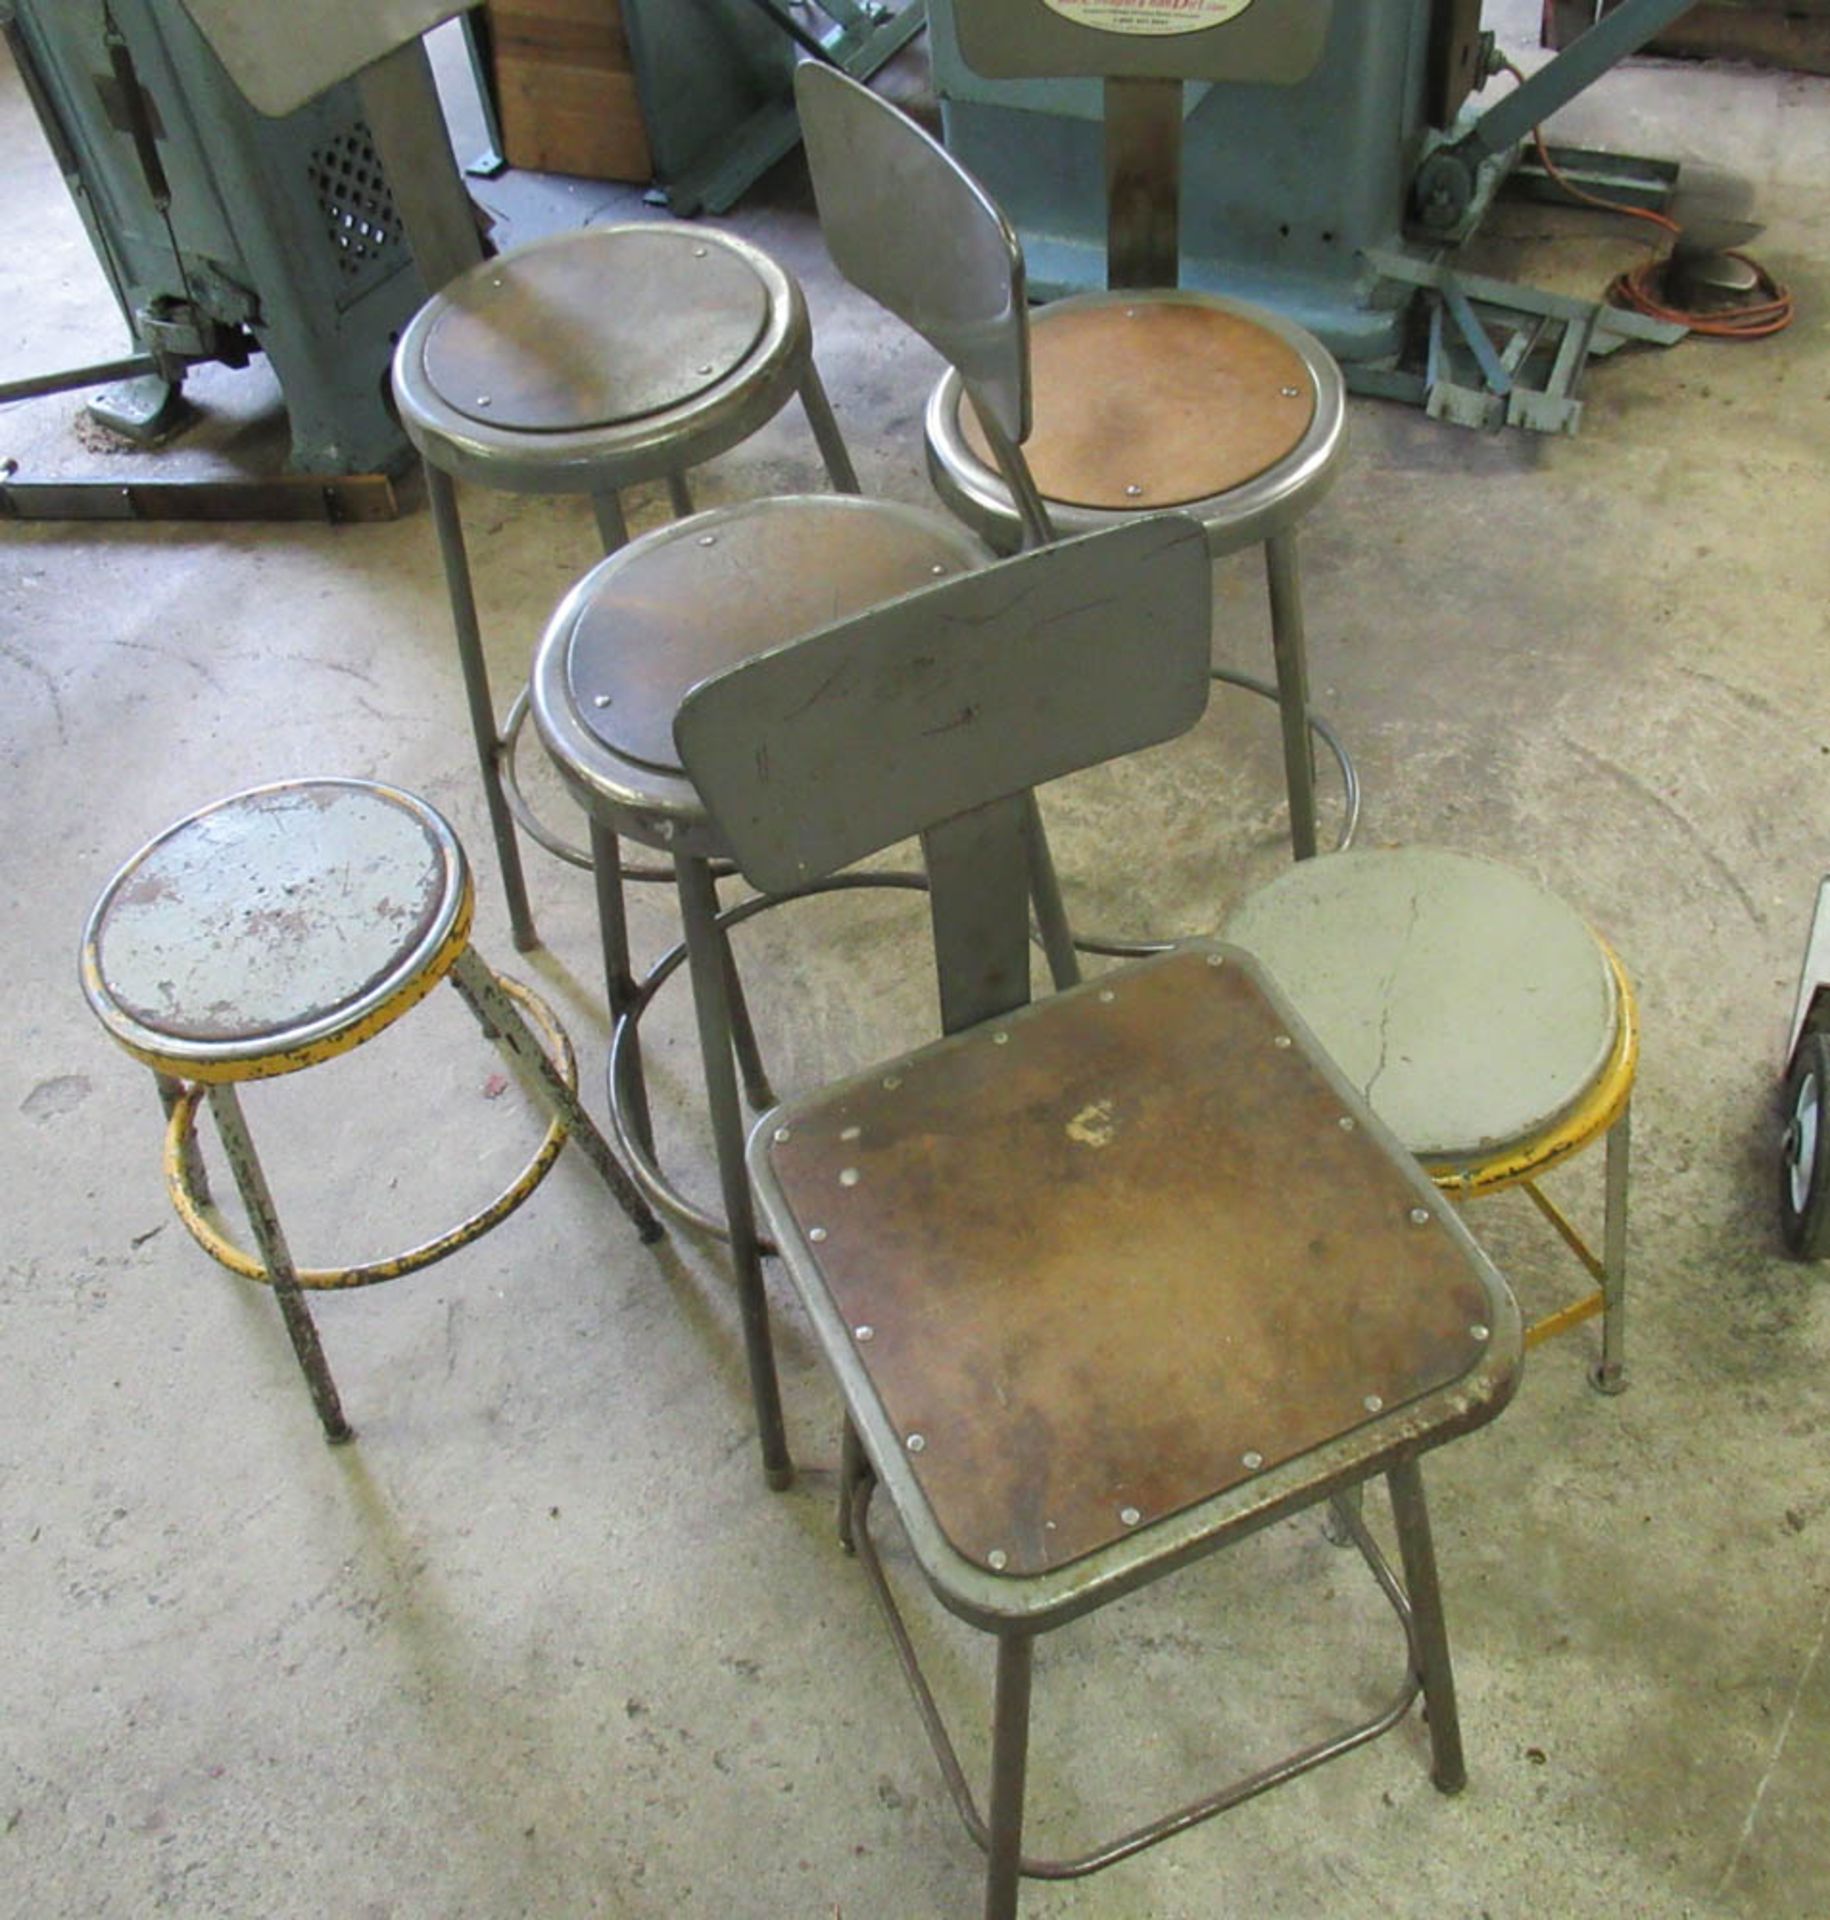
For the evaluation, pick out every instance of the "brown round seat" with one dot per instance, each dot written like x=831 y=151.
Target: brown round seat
x=1158 y=403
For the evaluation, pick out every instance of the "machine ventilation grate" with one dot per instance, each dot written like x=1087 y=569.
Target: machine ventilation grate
x=358 y=208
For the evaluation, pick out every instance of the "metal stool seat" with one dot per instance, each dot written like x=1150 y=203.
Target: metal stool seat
x=1154 y=399
x=622 y=651
x=588 y=362
x=275 y=930
x=1486 y=1023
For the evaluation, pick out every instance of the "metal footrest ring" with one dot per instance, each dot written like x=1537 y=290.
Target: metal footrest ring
x=1323 y=730
x=191 y=1208
x=655 y=1186
x=1247 y=1787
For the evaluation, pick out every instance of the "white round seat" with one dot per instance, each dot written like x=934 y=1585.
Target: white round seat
x=1474 y=1009
x=279 y=928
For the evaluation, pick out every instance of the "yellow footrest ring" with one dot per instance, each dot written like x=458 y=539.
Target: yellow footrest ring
x=236 y=1258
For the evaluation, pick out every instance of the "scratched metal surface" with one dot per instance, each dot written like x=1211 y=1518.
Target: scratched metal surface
x=594 y=330
x=1119 y=1261
x=270 y=912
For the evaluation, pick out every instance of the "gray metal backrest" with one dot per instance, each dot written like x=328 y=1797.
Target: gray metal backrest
x=1278 y=42
x=908 y=225
x=281 y=54
x=939 y=712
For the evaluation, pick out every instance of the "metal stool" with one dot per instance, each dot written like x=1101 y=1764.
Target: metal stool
x=585 y=363
x=1485 y=1022
x=1096 y=409
x=1112 y=1279
x=279 y=928
x=622 y=651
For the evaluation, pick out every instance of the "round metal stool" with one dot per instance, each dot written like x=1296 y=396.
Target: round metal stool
x=1484 y=1020
x=1147 y=400
x=279 y=928
x=585 y=363
x=1095 y=409
x=623 y=649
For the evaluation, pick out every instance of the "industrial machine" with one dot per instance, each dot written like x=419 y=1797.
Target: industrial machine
x=717 y=82
x=1335 y=196
x=228 y=224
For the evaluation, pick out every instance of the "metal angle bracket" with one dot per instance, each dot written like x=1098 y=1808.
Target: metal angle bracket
x=1499 y=354
x=340 y=499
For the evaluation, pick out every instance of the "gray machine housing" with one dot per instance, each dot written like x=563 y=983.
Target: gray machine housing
x=1300 y=189
x=283 y=233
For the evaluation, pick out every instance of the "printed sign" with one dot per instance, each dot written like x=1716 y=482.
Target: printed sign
x=1148 y=16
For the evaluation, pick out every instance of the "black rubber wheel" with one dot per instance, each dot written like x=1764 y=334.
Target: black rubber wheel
x=1804 y=1151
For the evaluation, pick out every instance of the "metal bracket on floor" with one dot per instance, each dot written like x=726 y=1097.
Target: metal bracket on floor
x=337 y=498
x=1498 y=354
x=1622 y=179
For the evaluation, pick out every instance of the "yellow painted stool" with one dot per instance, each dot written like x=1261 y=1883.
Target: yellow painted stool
x=279 y=928
x=1487 y=1024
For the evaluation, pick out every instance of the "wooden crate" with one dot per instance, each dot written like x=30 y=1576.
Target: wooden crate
x=565 y=89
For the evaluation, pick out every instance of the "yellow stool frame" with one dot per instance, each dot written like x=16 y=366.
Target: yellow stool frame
x=273 y=931
x=1606 y=1109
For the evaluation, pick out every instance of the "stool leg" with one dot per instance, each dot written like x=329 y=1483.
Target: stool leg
x=705 y=956
x=826 y=432
x=756 y=1088
x=612 y=528
x=1342 y=1508
x=443 y=496
x=619 y=976
x=854 y=1467
x=679 y=495
x=1009 y=1769
x=251 y=1182
x=501 y=1020
x=1611 y=1375
x=1289 y=653
x=1045 y=893
x=196 y=1177
x=1447 y=1768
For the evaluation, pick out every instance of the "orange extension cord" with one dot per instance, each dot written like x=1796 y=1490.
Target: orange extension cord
x=1642 y=288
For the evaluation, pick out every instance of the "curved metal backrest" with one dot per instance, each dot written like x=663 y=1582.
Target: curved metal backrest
x=908 y=225
x=836 y=746
x=1277 y=42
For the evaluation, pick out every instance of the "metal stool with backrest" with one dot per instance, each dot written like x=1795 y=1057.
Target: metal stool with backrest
x=689 y=600
x=1101 y=406
x=1111 y=1280
x=585 y=363
x=280 y=928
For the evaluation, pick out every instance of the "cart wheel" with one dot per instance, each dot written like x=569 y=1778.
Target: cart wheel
x=1804 y=1151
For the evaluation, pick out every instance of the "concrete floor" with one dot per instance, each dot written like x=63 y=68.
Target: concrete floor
x=539 y=1643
